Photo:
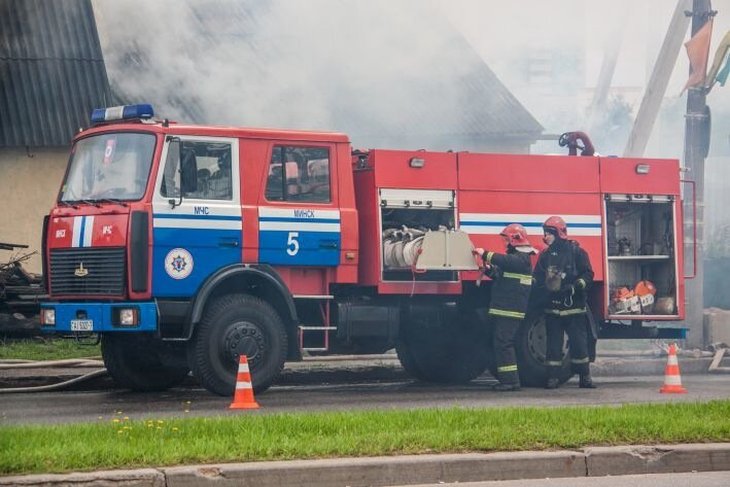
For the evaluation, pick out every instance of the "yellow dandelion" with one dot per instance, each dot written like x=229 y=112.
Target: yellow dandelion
x=116 y=420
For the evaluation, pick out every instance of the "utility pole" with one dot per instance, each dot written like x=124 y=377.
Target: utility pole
x=696 y=144
x=656 y=88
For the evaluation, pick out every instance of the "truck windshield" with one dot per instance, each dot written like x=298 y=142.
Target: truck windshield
x=112 y=166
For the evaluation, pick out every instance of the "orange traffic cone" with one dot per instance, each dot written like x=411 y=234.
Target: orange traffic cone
x=672 y=380
x=243 y=397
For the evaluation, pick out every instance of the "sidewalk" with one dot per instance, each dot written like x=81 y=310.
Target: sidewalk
x=411 y=469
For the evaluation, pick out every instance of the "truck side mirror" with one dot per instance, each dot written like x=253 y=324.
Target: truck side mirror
x=185 y=161
x=171 y=166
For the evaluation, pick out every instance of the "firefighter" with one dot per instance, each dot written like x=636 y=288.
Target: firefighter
x=511 y=273
x=562 y=277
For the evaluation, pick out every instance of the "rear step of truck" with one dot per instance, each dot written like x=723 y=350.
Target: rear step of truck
x=325 y=341
x=324 y=330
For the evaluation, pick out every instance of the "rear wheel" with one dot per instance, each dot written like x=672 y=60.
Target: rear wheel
x=433 y=351
x=136 y=362
x=530 y=346
x=232 y=326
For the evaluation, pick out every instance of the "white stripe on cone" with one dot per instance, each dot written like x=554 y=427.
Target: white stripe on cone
x=672 y=380
x=242 y=368
x=243 y=385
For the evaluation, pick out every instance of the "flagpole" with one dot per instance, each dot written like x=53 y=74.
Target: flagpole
x=696 y=145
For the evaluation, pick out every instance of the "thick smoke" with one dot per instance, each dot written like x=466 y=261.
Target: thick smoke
x=349 y=65
x=318 y=64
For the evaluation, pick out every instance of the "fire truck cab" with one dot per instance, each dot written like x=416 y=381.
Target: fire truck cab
x=183 y=247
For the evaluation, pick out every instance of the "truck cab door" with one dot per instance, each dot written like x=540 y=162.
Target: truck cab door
x=197 y=224
x=299 y=220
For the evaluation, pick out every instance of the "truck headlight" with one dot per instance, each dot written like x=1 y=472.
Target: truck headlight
x=128 y=316
x=48 y=316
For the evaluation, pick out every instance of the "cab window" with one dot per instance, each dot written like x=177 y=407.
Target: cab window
x=299 y=174
x=207 y=163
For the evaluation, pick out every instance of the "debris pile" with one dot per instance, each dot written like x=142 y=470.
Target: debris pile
x=20 y=294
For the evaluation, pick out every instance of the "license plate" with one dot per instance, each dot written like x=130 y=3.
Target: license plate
x=82 y=325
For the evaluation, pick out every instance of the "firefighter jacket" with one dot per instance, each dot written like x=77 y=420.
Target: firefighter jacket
x=511 y=273
x=563 y=274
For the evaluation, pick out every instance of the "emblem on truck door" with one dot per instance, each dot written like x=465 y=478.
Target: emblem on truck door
x=81 y=271
x=178 y=263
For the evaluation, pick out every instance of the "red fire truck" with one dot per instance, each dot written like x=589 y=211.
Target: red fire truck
x=183 y=247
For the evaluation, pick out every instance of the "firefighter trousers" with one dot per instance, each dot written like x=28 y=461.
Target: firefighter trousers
x=575 y=326
x=504 y=348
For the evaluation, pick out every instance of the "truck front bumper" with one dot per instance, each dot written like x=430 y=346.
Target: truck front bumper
x=99 y=317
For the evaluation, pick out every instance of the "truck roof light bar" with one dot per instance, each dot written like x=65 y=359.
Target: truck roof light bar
x=124 y=112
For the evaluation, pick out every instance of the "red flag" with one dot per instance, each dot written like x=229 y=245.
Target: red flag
x=698 y=49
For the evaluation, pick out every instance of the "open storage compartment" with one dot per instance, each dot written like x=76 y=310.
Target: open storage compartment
x=641 y=279
x=405 y=216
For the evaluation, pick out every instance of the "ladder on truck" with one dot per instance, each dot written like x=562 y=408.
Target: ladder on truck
x=324 y=307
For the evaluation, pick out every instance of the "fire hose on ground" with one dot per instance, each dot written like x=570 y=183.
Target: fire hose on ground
x=66 y=363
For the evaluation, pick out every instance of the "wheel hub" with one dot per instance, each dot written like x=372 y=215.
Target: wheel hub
x=244 y=338
x=537 y=341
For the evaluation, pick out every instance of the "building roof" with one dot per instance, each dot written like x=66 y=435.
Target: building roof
x=51 y=71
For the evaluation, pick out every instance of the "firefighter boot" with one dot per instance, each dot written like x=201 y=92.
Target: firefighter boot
x=586 y=382
x=552 y=383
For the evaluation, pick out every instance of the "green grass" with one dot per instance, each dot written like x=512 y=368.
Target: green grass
x=40 y=348
x=121 y=443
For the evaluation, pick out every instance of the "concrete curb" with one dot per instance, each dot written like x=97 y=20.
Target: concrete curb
x=616 y=367
x=412 y=469
x=145 y=477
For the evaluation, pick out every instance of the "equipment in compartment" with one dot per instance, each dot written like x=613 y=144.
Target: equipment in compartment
x=641 y=275
x=406 y=217
x=401 y=246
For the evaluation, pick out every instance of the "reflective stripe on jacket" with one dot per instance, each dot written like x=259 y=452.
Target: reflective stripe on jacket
x=512 y=280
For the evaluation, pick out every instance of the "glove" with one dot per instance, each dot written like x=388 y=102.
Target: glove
x=478 y=251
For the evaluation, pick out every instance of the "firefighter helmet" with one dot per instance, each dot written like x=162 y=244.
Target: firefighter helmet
x=557 y=225
x=516 y=236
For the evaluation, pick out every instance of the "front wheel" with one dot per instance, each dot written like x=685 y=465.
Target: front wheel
x=530 y=347
x=232 y=326
x=136 y=362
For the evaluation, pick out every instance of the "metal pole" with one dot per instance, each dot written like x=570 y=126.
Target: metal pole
x=656 y=88
x=695 y=149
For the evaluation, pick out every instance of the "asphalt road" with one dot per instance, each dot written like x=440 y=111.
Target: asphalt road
x=85 y=406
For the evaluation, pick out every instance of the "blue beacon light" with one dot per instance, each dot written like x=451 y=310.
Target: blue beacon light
x=124 y=112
